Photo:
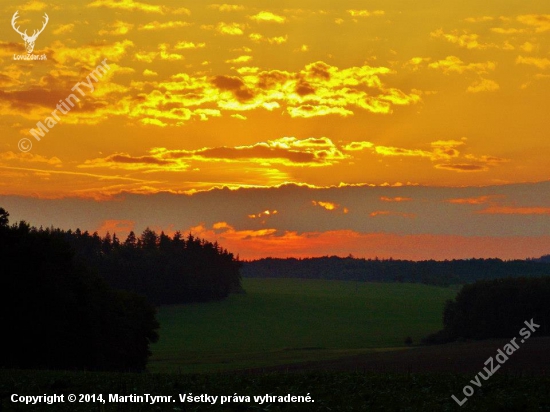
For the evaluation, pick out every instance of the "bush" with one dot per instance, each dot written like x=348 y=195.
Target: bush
x=496 y=309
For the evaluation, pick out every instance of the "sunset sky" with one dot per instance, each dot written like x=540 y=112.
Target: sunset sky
x=379 y=128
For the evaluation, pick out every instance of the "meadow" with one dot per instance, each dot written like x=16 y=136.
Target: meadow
x=282 y=321
x=290 y=322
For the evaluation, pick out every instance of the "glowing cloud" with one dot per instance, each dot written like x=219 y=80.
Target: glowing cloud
x=453 y=64
x=231 y=29
x=509 y=210
x=226 y=7
x=541 y=22
x=267 y=16
x=365 y=13
x=395 y=199
x=129 y=5
x=483 y=85
x=265 y=213
x=541 y=63
x=473 y=200
x=155 y=25
x=330 y=206
x=118 y=28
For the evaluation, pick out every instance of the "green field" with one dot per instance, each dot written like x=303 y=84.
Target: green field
x=281 y=321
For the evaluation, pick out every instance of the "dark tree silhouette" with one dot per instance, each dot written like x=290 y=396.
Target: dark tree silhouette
x=57 y=314
x=496 y=309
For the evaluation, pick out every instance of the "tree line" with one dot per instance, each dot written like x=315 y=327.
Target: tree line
x=431 y=272
x=72 y=299
x=167 y=270
x=59 y=315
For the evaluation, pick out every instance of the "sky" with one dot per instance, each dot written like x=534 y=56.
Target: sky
x=413 y=130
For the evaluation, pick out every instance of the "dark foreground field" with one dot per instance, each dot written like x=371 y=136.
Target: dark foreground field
x=329 y=391
x=532 y=358
x=416 y=379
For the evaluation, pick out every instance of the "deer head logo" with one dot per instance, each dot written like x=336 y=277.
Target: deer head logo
x=29 y=40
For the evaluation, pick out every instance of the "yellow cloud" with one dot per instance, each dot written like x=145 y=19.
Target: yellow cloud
x=231 y=29
x=118 y=28
x=527 y=47
x=453 y=64
x=265 y=213
x=399 y=151
x=145 y=57
x=473 y=200
x=34 y=6
x=166 y=55
x=91 y=55
x=181 y=10
x=355 y=146
x=541 y=22
x=483 y=85
x=248 y=70
x=129 y=5
x=541 y=63
x=510 y=30
x=64 y=29
x=365 y=13
x=466 y=40
x=257 y=37
x=226 y=7
x=317 y=90
x=267 y=16
x=155 y=25
x=184 y=45
x=307 y=110
x=153 y=121
x=240 y=59
x=325 y=205
x=30 y=158
x=149 y=73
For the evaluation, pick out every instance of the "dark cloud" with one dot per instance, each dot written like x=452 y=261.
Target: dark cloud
x=140 y=159
x=303 y=88
x=271 y=79
x=234 y=85
x=248 y=152
x=461 y=167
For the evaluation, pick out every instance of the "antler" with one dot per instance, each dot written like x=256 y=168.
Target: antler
x=15 y=17
x=35 y=32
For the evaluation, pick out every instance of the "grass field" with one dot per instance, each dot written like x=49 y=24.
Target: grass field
x=282 y=321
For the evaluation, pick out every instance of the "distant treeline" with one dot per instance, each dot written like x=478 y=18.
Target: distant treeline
x=432 y=272
x=57 y=314
x=167 y=270
x=496 y=309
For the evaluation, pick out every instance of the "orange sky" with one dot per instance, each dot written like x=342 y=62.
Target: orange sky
x=256 y=94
